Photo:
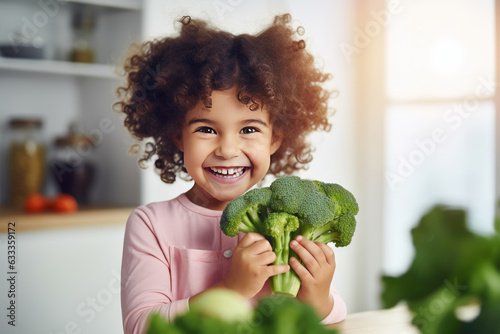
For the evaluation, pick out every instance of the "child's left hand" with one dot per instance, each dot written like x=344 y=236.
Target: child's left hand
x=316 y=275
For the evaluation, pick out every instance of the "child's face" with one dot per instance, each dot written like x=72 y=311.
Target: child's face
x=227 y=149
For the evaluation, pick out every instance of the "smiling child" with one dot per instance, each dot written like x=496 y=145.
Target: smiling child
x=224 y=110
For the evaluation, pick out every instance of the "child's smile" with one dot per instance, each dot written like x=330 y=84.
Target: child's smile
x=229 y=174
x=227 y=149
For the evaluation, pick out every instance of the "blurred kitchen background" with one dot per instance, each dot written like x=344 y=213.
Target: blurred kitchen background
x=416 y=124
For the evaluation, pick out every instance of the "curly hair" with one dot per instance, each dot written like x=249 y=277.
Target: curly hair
x=167 y=77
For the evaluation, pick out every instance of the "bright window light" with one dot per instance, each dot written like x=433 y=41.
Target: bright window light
x=434 y=156
x=438 y=49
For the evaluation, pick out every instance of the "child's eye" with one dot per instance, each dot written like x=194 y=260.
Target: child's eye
x=249 y=130
x=205 y=129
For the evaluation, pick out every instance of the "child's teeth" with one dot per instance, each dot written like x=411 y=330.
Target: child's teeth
x=230 y=172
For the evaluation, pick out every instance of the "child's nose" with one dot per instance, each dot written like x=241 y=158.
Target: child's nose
x=228 y=147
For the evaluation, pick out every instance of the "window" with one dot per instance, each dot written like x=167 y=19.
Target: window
x=439 y=118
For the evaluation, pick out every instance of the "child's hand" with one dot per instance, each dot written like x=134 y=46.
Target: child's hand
x=317 y=275
x=252 y=265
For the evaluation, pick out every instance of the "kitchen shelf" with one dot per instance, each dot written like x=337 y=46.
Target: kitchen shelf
x=85 y=217
x=58 y=67
x=114 y=4
x=62 y=92
x=119 y=4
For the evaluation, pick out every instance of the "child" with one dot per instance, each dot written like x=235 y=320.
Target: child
x=225 y=110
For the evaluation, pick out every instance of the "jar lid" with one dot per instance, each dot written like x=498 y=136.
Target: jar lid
x=74 y=140
x=25 y=123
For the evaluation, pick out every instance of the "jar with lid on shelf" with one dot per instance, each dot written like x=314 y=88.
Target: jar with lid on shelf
x=26 y=160
x=83 y=23
x=71 y=166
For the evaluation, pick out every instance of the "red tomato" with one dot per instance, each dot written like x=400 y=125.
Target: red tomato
x=64 y=203
x=36 y=203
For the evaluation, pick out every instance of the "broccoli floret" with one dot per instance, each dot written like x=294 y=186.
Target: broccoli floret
x=339 y=231
x=303 y=198
x=288 y=194
x=280 y=226
x=246 y=213
x=317 y=209
x=331 y=216
x=342 y=197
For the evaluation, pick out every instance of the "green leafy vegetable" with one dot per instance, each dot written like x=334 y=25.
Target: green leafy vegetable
x=284 y=315
x=272 y=315
x=216 y=311
x=453 y=283
x=293 y=206
x=223 y=304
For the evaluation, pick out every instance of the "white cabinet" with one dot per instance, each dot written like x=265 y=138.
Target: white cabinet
x=66 y=281
x=59 y=91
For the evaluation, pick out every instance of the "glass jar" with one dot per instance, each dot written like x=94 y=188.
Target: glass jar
x=26 y=160
x=71 y=167
x=83 y=40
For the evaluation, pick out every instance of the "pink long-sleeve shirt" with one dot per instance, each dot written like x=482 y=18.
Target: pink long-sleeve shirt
x=172 y=251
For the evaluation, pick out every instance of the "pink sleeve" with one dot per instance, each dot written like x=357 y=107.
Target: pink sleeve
x=145 y=285
x=339 y=310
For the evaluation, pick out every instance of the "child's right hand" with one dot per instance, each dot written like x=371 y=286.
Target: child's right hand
x=252 y=265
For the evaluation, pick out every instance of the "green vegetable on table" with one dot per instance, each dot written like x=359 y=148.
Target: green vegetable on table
x=292 y=206
x=453 y=283
x=227 y=312
x=284 y=315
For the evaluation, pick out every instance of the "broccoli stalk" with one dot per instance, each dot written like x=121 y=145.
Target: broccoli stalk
x=291 y=206
x=280 y=227
x=252 y=220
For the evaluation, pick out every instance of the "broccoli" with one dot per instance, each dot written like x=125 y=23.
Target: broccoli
x=340 y=229
x=288 y=193
x=246 y=213
x=290 y=206
x=344 y=199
